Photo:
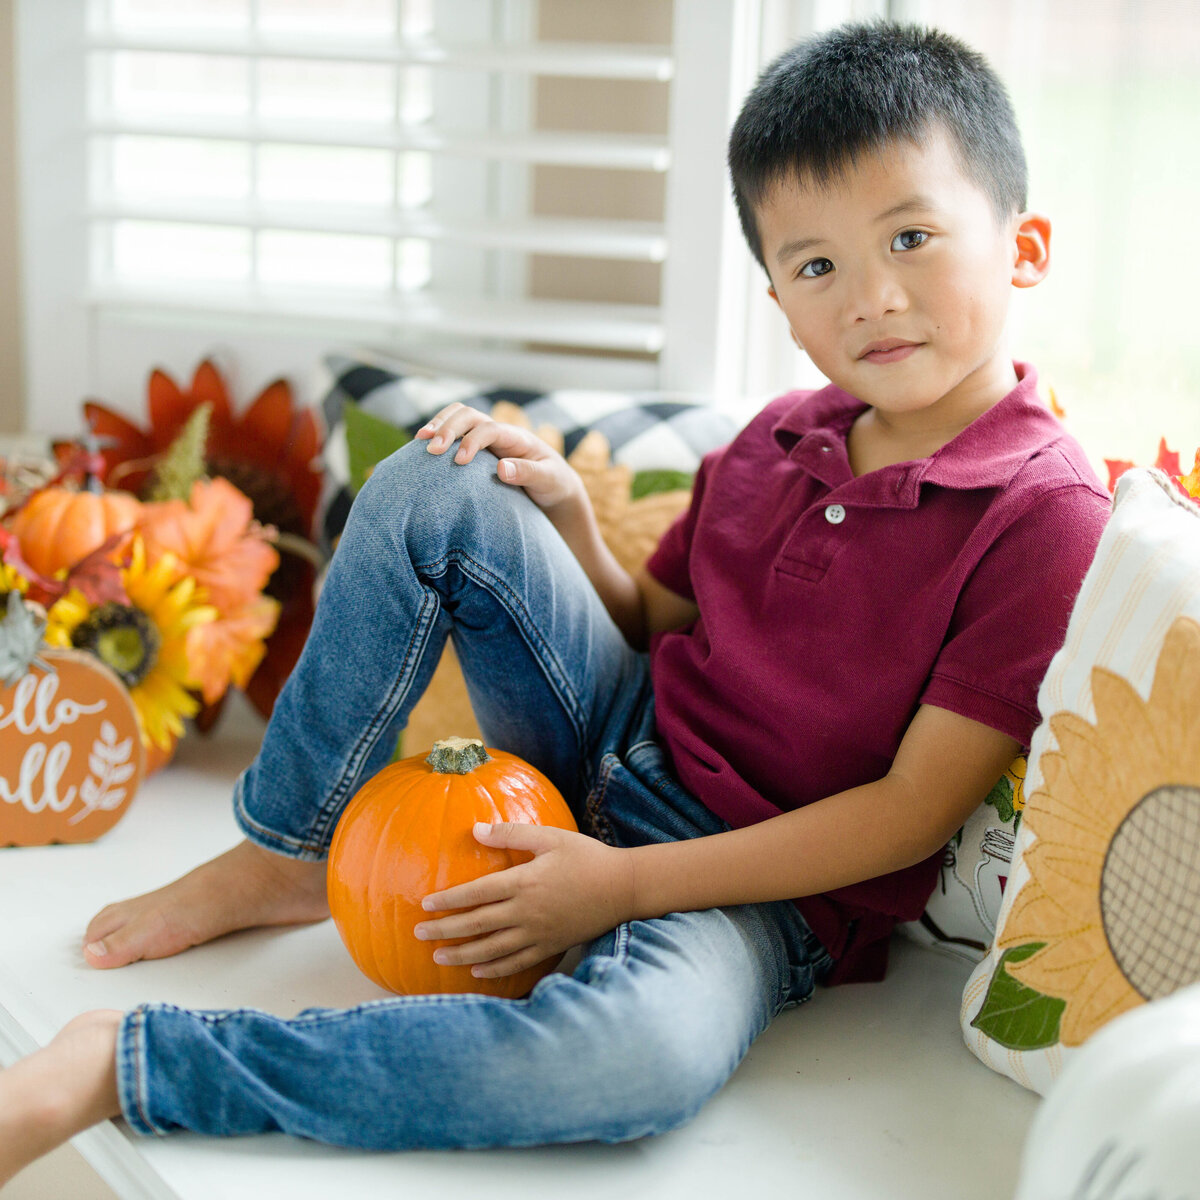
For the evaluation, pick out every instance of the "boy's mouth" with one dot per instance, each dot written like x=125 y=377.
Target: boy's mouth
x=888 y=350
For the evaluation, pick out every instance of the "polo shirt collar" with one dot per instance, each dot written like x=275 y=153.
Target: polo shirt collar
x=988 y=453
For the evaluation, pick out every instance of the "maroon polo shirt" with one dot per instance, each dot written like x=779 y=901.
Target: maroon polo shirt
x=832 y=606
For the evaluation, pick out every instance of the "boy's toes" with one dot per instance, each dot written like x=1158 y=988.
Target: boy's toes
x=103 y=923
x=145 y=936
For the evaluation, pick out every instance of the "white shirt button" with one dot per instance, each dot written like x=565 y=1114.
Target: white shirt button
x=835 y=514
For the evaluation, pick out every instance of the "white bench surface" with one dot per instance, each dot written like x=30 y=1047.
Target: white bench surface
x=865 y=1092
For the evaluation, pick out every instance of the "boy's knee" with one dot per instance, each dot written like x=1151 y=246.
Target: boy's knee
x=662 y=1082
x=413 y=484
x=414 y=469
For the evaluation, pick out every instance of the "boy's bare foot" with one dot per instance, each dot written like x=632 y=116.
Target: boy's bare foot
x=59 y=1091
x=243 y=888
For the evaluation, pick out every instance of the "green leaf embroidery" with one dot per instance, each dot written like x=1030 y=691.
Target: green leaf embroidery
x=1015 y=1015
x=649 y=483
x=369 y=440
x=1001 y=799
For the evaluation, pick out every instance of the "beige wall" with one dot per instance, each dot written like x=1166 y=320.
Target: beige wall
x=12 y=403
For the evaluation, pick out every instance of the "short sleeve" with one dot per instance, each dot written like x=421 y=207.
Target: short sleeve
x=670 y=564
x=1011 y=616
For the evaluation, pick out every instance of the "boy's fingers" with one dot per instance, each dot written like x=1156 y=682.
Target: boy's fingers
x=511 y=964
x=499 y=945
x=475 y=923
x=516 y=835
x=445 y=427
x=487 y=889
x=533 y=476
x=444 y=414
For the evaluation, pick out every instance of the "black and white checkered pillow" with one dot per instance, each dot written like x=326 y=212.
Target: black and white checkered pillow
x=647 y=431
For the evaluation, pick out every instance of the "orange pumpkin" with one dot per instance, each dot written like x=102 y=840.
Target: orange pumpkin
x=58 y=526
x=408 y=832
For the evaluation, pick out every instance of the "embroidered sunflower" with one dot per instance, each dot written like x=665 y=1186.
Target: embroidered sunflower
x=1114 y=894
x=144 y=641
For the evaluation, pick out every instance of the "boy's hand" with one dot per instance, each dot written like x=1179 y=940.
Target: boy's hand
x=575 y=888
x=525 y=460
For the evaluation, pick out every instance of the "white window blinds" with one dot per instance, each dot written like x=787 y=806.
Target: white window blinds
x=345 y=162
x=495 y=184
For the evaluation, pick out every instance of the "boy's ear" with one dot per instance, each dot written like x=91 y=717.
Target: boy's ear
x=771 y=293
x=1032 y=249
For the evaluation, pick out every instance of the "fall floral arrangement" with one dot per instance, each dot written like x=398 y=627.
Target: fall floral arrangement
x=1168 y=462
x=177 y=556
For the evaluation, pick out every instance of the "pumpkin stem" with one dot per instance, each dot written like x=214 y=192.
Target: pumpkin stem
x=457 y=755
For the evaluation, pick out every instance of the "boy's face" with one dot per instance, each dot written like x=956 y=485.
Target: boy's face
x=895 y=279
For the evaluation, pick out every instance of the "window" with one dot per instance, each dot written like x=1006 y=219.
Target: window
x=534 y=191
x=1106 y=95
x=492 y=185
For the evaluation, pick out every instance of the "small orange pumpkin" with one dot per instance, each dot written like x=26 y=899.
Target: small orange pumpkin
x=408 y=832
x=59 y=526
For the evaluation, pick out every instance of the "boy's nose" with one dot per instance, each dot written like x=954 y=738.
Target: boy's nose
x=876 y=294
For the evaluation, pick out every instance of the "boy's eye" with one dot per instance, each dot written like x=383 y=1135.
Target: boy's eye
x=909 y=239
x=815 y=268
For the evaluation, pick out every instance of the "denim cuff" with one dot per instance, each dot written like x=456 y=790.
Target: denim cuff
x=132 y=1074
x=269 y=839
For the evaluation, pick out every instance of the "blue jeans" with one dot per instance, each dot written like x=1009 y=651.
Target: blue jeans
x=658 y=1013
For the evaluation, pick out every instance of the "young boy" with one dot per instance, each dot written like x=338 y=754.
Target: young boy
x=846 y=634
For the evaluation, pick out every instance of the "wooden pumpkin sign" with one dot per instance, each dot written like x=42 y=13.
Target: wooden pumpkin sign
x=408 y=832
x=70 y=751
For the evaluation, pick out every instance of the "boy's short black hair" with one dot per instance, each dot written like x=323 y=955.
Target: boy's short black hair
x=828 y=100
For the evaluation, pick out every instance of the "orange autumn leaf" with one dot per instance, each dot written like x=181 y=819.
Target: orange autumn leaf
x=1168 y=460
x=216 y=540
x=229 y=649
x=1116 y=468
x=1191 y=481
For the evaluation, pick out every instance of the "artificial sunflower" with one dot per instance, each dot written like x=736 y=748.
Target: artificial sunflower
x=144 y=641
x=1114 y=883
x=268 y=453
x=11 y=581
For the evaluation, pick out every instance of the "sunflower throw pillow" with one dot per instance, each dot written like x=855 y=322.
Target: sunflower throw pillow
x=1102 y=908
